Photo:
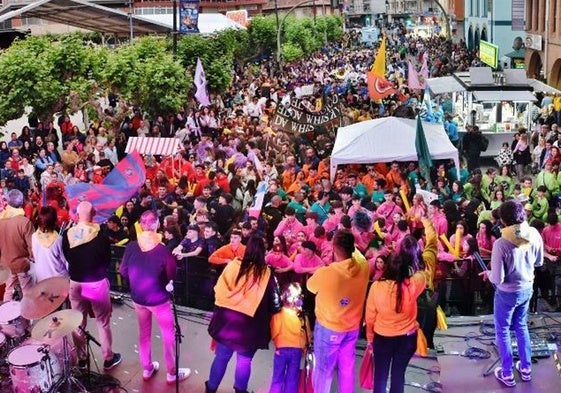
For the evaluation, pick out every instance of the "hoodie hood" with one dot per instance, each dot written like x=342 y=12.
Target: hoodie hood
x=243 y=296
x=147 y=240
x=351 y=267
x=518 y=234
x=82 y=233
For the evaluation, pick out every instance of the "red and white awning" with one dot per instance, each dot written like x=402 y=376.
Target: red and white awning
x=154 y=146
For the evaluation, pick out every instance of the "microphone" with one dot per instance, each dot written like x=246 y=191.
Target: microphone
x=43 y=348
x=169 y=286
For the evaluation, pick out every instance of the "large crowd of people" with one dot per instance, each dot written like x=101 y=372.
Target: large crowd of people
x=327 y=237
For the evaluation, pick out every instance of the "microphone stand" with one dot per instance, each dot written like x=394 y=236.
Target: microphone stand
x=178 y=335
x=89 y=340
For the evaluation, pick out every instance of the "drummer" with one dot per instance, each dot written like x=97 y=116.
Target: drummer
x=15 y=242
x=47 y=246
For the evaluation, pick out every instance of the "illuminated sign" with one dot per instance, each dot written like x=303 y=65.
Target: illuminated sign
x=488 y=53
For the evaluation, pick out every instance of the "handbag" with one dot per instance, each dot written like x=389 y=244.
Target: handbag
x=366 y=373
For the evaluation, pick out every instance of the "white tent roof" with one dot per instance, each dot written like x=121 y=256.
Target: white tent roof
x=388 y=139
x=209 y=23
x=156 y=146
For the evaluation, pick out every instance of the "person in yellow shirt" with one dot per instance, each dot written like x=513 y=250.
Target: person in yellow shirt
x=290 y=333
x=391 y=309
x=340 y=289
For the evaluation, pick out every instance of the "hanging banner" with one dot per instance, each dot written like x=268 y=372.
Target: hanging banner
x=238 y=16
x=189 y=16
x=299 y=119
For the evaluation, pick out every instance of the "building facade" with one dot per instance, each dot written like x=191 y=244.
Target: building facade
x=543 y=40
x=497 y=21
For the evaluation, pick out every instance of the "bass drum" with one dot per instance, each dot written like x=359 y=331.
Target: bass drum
x=31 y=371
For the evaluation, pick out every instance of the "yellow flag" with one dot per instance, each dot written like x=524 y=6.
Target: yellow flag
x=379 y=66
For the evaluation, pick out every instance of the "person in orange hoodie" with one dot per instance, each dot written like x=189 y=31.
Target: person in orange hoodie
x=246 y=297
x=232 y=250
x=290 y=331
x=391 y=309
x=340 y=289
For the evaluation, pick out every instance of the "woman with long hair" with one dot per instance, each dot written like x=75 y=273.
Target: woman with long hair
x=244 y=292
x=391 y=309
x=47 y=246
x=485 y=238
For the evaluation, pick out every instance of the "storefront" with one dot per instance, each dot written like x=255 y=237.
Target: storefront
x=499 y=104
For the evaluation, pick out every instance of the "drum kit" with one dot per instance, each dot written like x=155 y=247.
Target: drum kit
x=40 y=357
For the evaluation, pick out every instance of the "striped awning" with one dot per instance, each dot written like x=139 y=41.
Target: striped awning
x=154 y=146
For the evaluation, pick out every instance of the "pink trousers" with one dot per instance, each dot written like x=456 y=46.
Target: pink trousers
x=164 y=317
x=94 y=295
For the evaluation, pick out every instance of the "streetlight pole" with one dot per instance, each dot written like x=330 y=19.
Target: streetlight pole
x=174 y=28
x=279 y=29
x=130 y=3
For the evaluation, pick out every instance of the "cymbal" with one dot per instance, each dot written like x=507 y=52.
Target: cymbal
x=4 y=274
x=44 y=297
x=56 y=325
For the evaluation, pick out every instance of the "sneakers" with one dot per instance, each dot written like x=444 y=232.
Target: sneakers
x=115 y=360
x=183 y=375
x=507 y=381
x=147 y=374
x=525 y=375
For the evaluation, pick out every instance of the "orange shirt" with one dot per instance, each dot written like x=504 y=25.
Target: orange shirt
x=340 y=289
x=381 y=316
x=286 y=329
x=225 y=254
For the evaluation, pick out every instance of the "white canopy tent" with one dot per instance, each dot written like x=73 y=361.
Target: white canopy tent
x=388 y=139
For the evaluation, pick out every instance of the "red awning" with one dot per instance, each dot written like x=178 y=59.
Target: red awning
x=154 y=146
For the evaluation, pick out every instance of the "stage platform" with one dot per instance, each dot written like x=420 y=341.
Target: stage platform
x=441 y=372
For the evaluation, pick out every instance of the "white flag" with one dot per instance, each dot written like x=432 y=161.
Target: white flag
x=200 y=82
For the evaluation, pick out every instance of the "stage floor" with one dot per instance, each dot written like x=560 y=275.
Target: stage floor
x=456 y=373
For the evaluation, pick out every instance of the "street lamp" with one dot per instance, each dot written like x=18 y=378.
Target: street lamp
x=130 y=4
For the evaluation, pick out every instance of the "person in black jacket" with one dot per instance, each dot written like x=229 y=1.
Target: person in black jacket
x=472 y=146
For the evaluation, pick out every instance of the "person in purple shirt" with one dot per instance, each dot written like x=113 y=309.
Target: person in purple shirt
x=150 y=266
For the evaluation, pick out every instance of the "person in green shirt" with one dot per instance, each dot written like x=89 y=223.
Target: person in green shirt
x=540 y=206
x=488 y=184
x=547 y=179
x=300 y=206
x=378 y=191
x=506 y=181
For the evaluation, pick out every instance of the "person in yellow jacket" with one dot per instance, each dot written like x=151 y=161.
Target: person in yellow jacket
x=391 y=309
x=290 y=333
x=340 y=290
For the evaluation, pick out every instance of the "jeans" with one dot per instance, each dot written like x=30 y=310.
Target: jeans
x=220 y=362
x=164 y=317
x=94 y=295
x=286 y=370
x=392 y=353
x=334 y=349
x=511 y=309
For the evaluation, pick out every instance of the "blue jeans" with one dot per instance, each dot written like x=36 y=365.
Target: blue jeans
x=511 y=309
x=392 y=353
x=286 y=370
x=334 y=349
x=220 y=363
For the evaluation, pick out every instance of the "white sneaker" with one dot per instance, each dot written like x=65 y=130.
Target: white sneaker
x=147 y=374
x=183 y=375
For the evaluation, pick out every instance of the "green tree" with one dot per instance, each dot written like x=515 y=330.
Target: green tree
x=145 y=74
x=47 y=73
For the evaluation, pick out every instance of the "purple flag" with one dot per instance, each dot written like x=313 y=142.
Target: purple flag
x=117 y=187
x=200 y=82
